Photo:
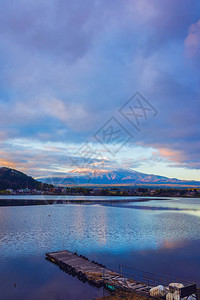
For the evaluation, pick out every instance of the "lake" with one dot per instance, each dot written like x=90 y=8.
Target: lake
x=161 y=236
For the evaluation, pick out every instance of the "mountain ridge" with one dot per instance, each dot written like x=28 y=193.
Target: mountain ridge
x=115 y=177
x=14 y=179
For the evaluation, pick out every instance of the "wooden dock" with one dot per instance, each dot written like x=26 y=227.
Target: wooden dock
x=98 y=275
x=94 y=273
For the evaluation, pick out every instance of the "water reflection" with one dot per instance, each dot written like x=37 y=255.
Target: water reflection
x=163 y=241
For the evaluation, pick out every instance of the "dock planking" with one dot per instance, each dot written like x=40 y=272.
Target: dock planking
x=94 y=273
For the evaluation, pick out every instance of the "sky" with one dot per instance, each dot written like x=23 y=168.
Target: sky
x=100 y=84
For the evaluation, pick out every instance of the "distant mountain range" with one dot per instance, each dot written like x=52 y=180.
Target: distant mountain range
x=13 y=179
x=116 y=177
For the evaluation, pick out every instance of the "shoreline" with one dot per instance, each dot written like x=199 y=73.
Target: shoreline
x=29 y=202
x=26 y=201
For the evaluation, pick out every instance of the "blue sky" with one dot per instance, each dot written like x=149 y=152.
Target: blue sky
x=67 y=67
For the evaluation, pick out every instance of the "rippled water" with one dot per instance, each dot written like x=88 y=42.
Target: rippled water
x=159 y=236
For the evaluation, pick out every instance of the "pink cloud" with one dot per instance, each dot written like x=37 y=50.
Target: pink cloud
x=176 y=156
x=192 y=41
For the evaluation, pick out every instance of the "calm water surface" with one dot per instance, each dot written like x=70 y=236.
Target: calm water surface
x=162 y=236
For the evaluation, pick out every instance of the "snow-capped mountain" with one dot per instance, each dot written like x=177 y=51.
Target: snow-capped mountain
x=114 y=177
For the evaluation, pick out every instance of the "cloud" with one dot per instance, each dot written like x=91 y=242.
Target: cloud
x=66 y=67
x=50 y=27
x=192 y=41
x=8 y=164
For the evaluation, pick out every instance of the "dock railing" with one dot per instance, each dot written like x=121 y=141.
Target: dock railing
x=149 y=278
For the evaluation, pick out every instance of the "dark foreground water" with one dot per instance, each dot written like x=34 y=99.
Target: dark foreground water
x=161 y=236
